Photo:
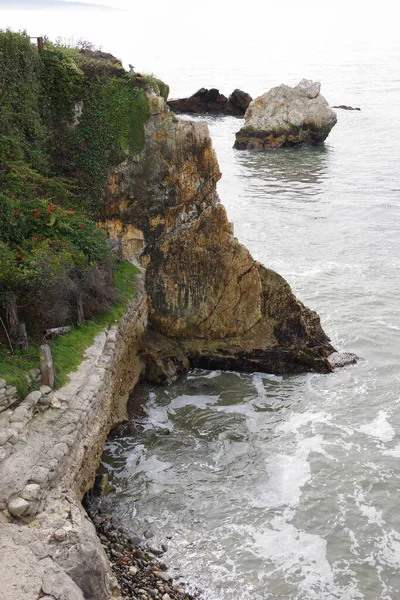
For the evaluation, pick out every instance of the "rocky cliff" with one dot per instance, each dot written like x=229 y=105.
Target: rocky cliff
x=209 y=300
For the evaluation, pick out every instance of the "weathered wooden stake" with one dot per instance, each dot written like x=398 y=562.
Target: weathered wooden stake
x=8 y=337
x=17 y=327
x=23 y=336
x=81 y=314
x=12 y=312
x=47 y=370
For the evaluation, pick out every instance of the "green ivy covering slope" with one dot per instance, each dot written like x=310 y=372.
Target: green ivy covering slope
x=67 y=115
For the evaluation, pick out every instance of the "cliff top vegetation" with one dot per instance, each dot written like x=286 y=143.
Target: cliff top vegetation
x=67 y=114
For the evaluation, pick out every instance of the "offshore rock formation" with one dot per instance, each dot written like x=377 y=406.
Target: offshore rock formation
x=287 y=116
x=209 y=300
x=206 y=101
x=345 y=107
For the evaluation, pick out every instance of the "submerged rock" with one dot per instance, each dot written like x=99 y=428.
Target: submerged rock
x=342 y=359
x=206 y=101
x=209 y=300
x=287 y=116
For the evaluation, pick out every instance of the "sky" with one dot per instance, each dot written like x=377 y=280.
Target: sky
x=157 y=35
x=298 y=18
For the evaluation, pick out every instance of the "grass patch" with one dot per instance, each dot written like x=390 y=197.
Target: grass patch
x=15 y=367
x=68 y=349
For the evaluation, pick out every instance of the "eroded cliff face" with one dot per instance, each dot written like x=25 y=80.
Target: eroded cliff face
x=206 y=293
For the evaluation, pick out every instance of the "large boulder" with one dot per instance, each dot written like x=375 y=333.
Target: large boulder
x=287 y=116
x=238 y=102
x=212 y=102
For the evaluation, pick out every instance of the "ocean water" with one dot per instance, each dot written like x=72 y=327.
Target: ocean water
x=283 y=488
x=288 y=488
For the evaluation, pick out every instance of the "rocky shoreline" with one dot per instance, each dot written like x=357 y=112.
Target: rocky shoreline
x=136 y=564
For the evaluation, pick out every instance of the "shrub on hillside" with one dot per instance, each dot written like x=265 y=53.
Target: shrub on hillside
x=55 y=261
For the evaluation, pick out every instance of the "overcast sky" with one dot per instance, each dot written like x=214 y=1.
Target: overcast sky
x=150 y=33
x=304 y=19
x=51 y=4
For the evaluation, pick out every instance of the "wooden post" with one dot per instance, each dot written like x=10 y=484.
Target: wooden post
x=79 y=306
x=47 y=370
x=17 y=327
x=12 y=312
x=23 y=336
x=40 y=43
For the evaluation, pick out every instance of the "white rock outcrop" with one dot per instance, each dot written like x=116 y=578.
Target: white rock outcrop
x=287 y=116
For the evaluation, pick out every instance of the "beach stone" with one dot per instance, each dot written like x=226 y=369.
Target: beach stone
x=11 y=391
x=45 y=401
x=12 y=435
x=4 y=437
x=31 y=491
x=20 y=414
x=60 y=535
x=39 y=474
x=18 y=506
x=148 y=534
x=17 y=425
x=162 y=575
x=4 y=401
x=133 y=570
x=135 y=540
x=45 y=389
x=59 y=450
x=55 y=403
x=155 y=551
x=287 y=116
x=2 y=383
x=32 y=398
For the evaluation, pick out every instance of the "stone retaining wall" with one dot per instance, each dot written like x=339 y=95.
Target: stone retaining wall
x=9 y=394
x=50 y=447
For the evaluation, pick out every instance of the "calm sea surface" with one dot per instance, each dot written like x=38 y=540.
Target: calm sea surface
x=286 y=488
